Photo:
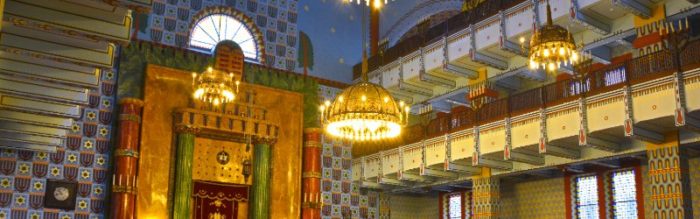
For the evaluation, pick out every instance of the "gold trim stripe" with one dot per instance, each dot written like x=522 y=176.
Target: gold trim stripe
x=312 y=144
x=124 y=189
x=130 y=117
x=126 y=153
x=311 y=174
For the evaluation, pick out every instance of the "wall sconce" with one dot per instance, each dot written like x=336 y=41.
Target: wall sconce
x=246 y=168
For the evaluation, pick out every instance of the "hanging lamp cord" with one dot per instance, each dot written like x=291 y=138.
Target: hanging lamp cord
x=549 y=14
x=365 y=65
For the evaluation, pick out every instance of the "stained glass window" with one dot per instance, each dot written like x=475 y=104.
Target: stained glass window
x=215 y=28
x=587 y=197
x=455 y=207
x=624 y=194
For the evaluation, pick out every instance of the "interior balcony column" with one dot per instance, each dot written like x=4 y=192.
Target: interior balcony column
x=486 y=195
x=126 y=159
x=183 y=171
x=260 y=191
x=669 y=179
x=311 y=175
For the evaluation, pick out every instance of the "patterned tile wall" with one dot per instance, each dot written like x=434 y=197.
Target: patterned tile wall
x=518 y=199
x=327 y=93
x=341 y=197
x=647 y=190
x=85 y=159
x=170 y=20
x=695 y=184
x=414 y=207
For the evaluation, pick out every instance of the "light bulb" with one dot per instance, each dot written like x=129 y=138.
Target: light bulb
x=377 y=4
x=533 y=65
x=545 y=53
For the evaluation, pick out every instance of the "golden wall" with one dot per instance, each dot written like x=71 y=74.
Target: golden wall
x=166 y=89
x=206 y=167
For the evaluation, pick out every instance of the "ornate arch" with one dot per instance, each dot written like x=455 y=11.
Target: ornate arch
x=244 y=19
x=416 y=15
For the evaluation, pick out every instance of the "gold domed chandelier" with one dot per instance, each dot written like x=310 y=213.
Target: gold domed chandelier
x=551 y=46
x=364 y=112
x=214 y=86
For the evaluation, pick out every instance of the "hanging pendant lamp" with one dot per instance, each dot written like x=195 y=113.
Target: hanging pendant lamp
x=552 y=46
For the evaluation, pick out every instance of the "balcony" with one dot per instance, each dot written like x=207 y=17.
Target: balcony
x=445 y=57
x=610 y=111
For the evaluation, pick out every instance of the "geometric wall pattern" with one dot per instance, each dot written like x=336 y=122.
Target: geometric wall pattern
x=667 y=181
x=647 y=190
x=423 y=206
x=327 y=93
x=486 y=197
x=170 y=20
x=341 y=197
x=518 y=199
x=384 y=208
x=84 y=159
x=694 y=173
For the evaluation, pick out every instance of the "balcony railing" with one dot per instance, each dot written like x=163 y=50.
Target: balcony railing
x=634 y=71
x=452 y=25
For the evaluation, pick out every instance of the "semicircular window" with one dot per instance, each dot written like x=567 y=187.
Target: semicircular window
x=215 y=28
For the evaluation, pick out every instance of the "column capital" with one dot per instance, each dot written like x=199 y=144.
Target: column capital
x=264 y=140
x=187 y=129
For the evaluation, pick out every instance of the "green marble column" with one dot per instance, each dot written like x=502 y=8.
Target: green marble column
x=260 y=192
x=183 y=175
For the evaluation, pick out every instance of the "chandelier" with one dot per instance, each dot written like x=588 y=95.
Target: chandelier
x=377 y=4
x=214 y=86
x=551 y=46
x=364 y=112
x=480 y=94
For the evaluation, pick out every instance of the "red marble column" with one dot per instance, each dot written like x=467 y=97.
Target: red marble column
x=311 y=174
x=126 y=159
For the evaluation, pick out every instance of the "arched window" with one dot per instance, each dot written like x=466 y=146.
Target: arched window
x=214 y=28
